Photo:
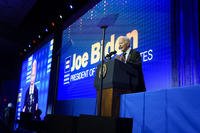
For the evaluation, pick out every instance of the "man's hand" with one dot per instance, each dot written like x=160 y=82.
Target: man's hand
x=121 y=58
x=24 y=109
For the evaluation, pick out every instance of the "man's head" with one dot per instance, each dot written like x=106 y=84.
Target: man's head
x=33 y=72
x=124 y=43
x=10 y=105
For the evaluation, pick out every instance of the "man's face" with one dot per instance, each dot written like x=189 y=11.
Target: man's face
x=123 y=45
x=33 y=73
x=33 y=78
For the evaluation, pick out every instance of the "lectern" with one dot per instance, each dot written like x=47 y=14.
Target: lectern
x=118 y=78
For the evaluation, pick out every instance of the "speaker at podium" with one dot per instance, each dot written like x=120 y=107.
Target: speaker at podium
x=118 y=78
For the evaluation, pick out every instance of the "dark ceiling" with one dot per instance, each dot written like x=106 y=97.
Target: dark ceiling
x=21 y=21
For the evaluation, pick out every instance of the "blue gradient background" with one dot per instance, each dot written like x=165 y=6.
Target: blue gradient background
x=151 y=18
x=43 y=56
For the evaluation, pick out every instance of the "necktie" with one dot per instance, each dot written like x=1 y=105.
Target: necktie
x=124 y=57
x=31 y=90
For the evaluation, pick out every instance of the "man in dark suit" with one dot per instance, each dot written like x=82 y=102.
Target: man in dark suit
x=31 y=97
x=133 y=58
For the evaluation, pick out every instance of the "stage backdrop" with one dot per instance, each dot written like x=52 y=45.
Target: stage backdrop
x=43 y=56
x=145 y=22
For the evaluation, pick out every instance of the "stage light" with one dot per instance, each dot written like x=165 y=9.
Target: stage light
x=52 y=24
x=71 y=7
x=24 y=50
x=29 y=45
x=39 y=36
x=60 y=16
x=46 y=30
x=34 y=41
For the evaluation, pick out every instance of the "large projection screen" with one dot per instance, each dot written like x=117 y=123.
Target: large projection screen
x=40 y=63
x=146 y=22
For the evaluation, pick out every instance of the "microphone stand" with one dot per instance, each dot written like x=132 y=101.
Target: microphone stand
x=106 y=21
x=102 y=62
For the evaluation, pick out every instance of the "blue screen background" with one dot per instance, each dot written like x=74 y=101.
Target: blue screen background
x=43 y=56
x=151 y=19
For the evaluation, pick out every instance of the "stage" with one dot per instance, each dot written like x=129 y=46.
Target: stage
x=161 y=111
x=171 y=110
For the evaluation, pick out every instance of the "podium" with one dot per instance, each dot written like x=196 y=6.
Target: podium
x=118 y=78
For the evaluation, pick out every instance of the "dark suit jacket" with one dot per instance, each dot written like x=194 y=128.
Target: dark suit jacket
x=31 y=103
x=134 y=59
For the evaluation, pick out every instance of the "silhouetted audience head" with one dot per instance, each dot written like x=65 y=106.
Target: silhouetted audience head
x=9 y=115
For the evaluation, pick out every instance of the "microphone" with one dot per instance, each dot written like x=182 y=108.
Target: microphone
x=110 y=54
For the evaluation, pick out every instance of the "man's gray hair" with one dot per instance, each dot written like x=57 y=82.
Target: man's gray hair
x=126 y=39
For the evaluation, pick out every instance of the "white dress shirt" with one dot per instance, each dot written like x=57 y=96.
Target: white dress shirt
x=127 y=53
